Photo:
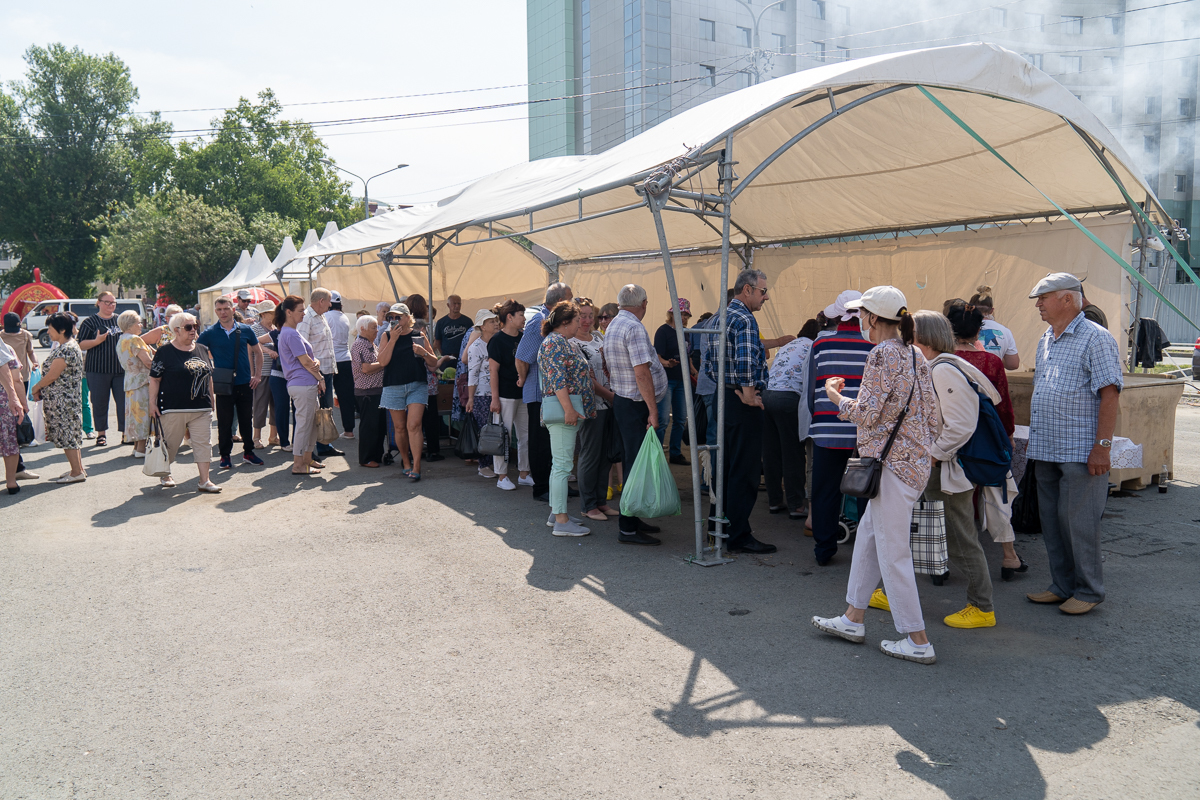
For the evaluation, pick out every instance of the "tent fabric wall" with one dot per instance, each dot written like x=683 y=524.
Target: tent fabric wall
x=928 y=269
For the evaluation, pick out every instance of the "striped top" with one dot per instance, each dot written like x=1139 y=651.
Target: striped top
x=103 y=357
x=835 y=354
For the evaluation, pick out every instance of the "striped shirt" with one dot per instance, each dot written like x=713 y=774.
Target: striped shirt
x=103 y=357
x=835 y=354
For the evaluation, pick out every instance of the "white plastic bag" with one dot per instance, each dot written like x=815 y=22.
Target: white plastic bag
x=39 y=422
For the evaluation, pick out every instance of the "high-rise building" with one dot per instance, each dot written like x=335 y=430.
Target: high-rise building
x=603 y=71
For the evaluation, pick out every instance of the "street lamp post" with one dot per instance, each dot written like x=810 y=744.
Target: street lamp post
x=366 y=182
x=758 y=54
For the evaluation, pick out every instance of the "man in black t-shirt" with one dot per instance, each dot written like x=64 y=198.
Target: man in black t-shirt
x=450 y=329
x=98 y=335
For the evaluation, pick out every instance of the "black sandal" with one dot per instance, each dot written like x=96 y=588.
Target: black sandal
x=1006 y=573
x=101 y=440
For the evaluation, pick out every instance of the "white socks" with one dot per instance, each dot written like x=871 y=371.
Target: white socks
x=847 y=621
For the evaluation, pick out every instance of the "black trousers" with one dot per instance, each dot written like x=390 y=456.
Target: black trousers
x=373 y=429
x=343 y=383
x=540 y=457
x=631 y=417
x=431 y=424
x=783 y=452
x=825 y=508
x=743 y=465
x=240 y=402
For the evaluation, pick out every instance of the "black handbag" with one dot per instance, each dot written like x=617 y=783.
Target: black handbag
x=25 y=432
x=862 y=475
x=493 y=439
x=223 y=377
x=467 y=446
x=1026 y=515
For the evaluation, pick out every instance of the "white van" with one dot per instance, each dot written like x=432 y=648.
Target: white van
x=35 y=320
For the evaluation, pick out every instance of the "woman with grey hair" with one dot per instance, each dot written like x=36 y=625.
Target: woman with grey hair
x=181 y=398
x=135 y=355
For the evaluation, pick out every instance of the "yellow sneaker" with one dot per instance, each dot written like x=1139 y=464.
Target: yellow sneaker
x=620 y=487
x=971 y=617
x=609 y=494
x=879 y=600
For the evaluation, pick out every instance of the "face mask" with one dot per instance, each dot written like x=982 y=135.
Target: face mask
x=864 y=327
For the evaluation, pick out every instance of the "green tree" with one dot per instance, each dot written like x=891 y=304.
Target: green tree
x=68 y=149
x=257 y=162
x=178 y=241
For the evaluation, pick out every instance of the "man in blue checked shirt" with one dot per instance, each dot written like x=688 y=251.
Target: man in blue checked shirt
x=745 y=379
x=1076 y=388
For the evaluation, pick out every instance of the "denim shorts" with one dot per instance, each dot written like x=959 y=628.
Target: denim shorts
x=400 y=398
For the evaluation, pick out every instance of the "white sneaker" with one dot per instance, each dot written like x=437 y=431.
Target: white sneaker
x=569 y=529
x=136 y=454
x=920 y=653
x=505 y=484
x=526 y=481
x=348 y=435
x=839 y=627
x=487 y=472
x=551 y=522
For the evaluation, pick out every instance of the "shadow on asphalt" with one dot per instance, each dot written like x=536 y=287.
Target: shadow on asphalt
x=1035 y=682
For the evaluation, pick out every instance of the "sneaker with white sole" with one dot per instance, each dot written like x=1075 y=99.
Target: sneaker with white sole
x=905 y=649
x=487 y=472
x=506 y=484
x=137 y=454
x=570 y=529
x=526 y=481
x=551 y=522
x=837 y=626
x=167 y=482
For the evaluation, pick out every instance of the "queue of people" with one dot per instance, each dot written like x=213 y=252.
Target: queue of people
x=578 y=386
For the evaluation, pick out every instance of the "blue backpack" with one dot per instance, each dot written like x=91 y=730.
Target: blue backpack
x=986 y=458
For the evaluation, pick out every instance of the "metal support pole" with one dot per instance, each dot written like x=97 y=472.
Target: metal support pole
x=429 y=305
x=656 y=204
x=725 y=171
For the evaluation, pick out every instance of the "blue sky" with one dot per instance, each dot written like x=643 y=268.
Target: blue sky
x=206 y=55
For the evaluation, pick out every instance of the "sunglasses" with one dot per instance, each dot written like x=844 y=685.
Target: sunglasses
x=605 y=316
x=187 y=327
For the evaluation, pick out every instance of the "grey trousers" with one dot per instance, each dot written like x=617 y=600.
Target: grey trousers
x=100 y=386
x=1071 y=503
x=962 y=540
x=593 y=466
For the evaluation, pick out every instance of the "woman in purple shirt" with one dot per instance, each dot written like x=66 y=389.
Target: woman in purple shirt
x=304 y=380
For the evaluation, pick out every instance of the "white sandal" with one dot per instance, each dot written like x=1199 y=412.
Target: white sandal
x=208 y=487
x=167 y=482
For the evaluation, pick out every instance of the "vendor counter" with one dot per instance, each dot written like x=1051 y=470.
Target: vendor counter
x=1146 y=416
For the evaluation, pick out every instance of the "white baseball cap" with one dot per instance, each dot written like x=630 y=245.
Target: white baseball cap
x=883 y=301
x=838 y=309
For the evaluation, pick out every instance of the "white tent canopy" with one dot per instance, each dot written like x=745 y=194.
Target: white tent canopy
x=887 y=160
x=231 y=281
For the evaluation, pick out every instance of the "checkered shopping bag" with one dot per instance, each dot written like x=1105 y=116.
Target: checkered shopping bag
x=928 y=538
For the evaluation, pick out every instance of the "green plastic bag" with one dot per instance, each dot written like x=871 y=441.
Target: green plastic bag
x=650 y=489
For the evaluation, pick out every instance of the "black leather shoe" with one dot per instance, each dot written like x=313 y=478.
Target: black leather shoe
x=777 y=509
x=572 y=492
x=680 y=460
x=435 y=457
x=542 y=498
x=637 y=538
x=825 y=563
x=753 y=546
x=329 y=451
x=646 y=527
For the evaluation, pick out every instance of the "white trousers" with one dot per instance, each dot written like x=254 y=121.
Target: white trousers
x=513 y=411
x=881 y=549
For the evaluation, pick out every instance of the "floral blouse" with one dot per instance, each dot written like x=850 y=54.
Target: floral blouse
x=561 y=365
x=137 y=374
x=887 y=379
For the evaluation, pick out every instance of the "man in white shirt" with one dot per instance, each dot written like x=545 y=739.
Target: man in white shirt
x=315 y=329
x=343 y=381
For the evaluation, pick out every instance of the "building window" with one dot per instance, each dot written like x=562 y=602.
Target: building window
x=1183 y=146
x=744 y=37
x=1070 y=64
x=780 y=43
x=1034 y=58
x=1035 y=22
x=999 y=17
x=818 y=9
x=842 y=15
x=843 y=53
x=709 y=75
x=819 y=51
x=1152 y=106
x=1110 y=64
x=1072 y=25
x=1185 y=106
x=1150 y=145
x=1113 y=25
x=1181 y=183
x=708 y=30
x=1104 y=104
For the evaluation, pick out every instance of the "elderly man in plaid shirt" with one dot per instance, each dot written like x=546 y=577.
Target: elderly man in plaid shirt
x=638 y=379
x=745 y=379
x=1076 y=387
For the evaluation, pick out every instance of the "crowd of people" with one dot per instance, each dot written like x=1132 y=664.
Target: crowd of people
x=578 y=384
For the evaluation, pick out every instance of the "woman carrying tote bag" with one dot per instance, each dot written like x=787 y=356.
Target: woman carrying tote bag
x=895 y=402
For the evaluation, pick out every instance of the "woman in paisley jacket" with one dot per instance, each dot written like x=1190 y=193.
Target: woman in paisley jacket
x=896 y=380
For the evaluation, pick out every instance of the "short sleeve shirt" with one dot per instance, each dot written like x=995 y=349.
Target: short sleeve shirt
x=789 y=370
x=1069 y=373
x=527 y=351
x=502 y=349
x=221 y=342
x=627 y=345
x=997 y=339
x=448 y=334
x=363 y=352
x=291 y=346
x=103 y=357
x=182 y=379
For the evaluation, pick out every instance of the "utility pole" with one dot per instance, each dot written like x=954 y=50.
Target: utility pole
x=761 y=61
x=366 y=182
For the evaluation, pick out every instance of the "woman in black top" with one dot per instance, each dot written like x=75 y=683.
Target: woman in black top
x=404 y=355
x=181 y=397
x=506 y=393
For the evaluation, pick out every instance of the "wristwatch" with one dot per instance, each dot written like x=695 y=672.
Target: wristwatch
x=1104 y=442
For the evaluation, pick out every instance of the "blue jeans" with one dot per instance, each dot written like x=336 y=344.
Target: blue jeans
x=283 y=408
x=675 y=398
x=710 y=413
